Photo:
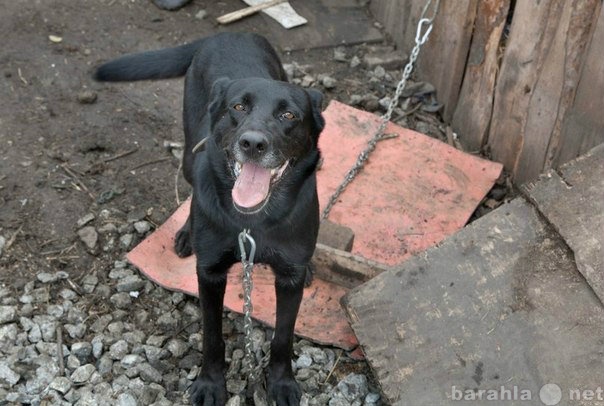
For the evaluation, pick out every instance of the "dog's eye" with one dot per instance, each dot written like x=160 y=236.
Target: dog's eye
x=288 y=115
x=239 y=107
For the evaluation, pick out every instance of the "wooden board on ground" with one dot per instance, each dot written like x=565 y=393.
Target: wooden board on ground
x=330 y=24
x=574 y=204
x=498 y=305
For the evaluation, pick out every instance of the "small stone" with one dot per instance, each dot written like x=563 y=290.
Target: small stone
x=82 y=221
x=154 y=354
x=303 y=374
x=177 y=347
x=131 y=360
x=89 y=282
x=385 y=102
x=307 y=81
x=120 y=273
x=328 y=82
x=121 y=300
x=55 y=311
x=304 y=361
x=105 y=365
x=130 y=283
x=142 y=226
x=97 y=346
x=2 y=244
x=67 y=294
x=89 y=237
x=149 y=374
x=353 y=386
x=177 y=298
x=75 y=330
x=82 y=350
x=379 y=72
x=339 y=55
x=126 y=399
x=126 y=240
x=191 y=360
x=8 y=314
x=73 y=362
x=7 y=374
x=83 y=373
x=118 y=350
x=355 y=61
x=101 y=323
x=169 y=321
x=372 y=398
x=87 y=97
x=201 y=14
x=234 y=401
x=235 y=386
x=60 y=384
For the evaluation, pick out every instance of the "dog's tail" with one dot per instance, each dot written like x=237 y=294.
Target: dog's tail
x=161 y=64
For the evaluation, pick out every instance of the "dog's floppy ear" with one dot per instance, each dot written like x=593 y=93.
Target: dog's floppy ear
x=217 y=94
x=316 y=102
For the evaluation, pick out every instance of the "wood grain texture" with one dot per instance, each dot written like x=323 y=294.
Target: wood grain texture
x=475 y=105
x=539 y=76
x=583 y=126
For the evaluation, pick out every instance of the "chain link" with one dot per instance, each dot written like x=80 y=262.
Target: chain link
x=254 y=370
x=420 y=38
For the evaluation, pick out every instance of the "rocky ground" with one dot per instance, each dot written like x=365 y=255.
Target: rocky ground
x=88 y=170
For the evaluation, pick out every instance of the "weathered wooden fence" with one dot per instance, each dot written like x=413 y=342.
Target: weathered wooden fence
x=521 y=80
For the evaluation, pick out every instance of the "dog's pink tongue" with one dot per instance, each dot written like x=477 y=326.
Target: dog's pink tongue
x=252 y=185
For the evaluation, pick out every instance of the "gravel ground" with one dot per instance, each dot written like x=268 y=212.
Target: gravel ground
x=117 y=338
x=114 y=337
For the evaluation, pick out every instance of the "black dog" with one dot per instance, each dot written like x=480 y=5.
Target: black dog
x=256 y=172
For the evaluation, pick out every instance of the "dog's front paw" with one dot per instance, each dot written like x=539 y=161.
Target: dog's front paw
x=182 y=243
x=285 y=391
x=206 y=391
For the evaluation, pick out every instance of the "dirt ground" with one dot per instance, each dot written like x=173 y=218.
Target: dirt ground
x=60 y=150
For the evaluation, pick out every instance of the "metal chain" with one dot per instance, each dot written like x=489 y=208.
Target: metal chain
x=424 y=27
x=254 y=371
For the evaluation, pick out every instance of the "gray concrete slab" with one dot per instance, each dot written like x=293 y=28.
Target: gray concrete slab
x=491 y=315
x=572 y=200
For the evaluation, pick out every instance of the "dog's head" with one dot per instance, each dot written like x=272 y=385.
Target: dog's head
x=265 y=128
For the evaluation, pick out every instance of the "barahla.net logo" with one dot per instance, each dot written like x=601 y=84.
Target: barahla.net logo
x=550 y=394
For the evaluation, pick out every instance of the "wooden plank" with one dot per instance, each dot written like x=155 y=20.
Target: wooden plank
x=584 y=124
x=343 y=268
x=537 y=81
x=443 y=58
x=497 y=304
x=572 y=204
x=330 y=24
x=475 y=105
x=555 y=86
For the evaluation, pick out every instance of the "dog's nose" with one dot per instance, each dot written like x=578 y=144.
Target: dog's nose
x=253 y=143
